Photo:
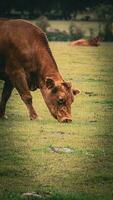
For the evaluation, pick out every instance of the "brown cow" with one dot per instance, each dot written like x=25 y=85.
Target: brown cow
x=26 y=63
x=83 y=42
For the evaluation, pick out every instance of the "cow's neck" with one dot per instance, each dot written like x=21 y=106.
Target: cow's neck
x=53 y=75
x=48 y=68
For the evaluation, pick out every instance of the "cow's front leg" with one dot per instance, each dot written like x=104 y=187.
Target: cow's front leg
x=19 y=81
x=6 y=93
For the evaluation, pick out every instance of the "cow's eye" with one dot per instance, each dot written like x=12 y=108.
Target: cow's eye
x=61 y=102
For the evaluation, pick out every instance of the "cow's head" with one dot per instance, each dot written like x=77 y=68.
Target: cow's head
x=59 y=97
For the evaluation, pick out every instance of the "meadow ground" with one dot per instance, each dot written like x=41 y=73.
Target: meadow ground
x=27 y=162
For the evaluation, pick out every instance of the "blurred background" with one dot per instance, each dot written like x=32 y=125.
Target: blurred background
x=64 y=20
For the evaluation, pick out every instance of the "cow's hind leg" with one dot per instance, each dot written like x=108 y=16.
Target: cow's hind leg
x=6 y=93
x=19 y=81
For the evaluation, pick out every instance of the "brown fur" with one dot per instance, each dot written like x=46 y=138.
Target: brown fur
x=26 y=63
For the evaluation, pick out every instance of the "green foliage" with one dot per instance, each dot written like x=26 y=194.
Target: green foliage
x=105 y=15
x=75 y=31
x=91 y=31
x=108 y=35
x=104 y=12
x=43 y=23
x=58 y=35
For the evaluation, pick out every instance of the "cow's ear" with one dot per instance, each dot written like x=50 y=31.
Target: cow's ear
x=49 y=83
x=76 y=91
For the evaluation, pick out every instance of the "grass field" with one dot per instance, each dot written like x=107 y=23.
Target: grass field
x=27 y=163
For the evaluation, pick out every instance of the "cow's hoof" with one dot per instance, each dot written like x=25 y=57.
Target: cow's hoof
x=34 y=117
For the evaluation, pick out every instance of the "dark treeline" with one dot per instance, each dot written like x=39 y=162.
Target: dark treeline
x=53 y=9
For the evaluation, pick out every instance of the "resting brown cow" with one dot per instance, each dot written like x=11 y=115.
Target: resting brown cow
x=26 y=63
x=83 y=42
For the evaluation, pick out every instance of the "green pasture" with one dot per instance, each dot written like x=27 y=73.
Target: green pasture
x=27 y=163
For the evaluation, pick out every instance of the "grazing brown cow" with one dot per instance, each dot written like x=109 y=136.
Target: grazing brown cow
x=26 y=63
x=82 y=42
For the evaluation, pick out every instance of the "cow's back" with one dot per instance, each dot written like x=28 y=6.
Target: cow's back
x=19 y=39
x=19 y=31
x=23 y=44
